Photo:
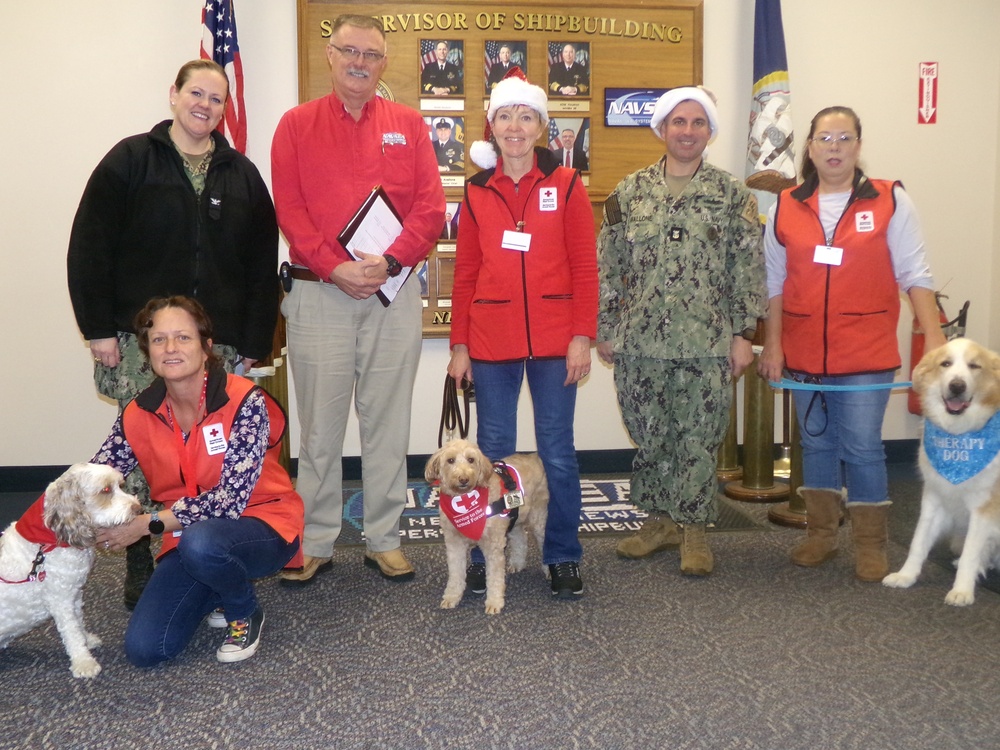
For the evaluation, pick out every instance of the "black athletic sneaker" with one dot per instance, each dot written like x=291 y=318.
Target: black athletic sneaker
x=242 y=639
x=565 y=579
x=475 y=578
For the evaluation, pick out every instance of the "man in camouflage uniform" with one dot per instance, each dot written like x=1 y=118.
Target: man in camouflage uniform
x=682 y=286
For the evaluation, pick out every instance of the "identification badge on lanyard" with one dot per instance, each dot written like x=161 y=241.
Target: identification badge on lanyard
x=516 y=240
x=830 y=256
x=215 y=438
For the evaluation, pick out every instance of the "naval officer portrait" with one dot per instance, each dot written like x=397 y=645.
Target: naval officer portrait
x=441 y=75
x=569 y=75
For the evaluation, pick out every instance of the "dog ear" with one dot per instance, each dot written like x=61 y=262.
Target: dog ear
x=992 y=390
x=65 y=512
x=432 y=471
x=924 y=368
x=485 y=468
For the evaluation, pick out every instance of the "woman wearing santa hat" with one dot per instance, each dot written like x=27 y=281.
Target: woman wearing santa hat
x=524 y=303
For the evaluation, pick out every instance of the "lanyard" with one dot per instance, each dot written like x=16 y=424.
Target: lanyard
x=187 y=468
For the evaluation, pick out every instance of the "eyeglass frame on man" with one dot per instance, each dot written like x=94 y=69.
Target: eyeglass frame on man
x=353 y=53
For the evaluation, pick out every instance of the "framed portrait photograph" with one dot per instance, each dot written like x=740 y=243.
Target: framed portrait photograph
x=442 y=65
x=569 y=69
x=569 y=141
x=449 y=232
x=499 y=57
x=447 y=133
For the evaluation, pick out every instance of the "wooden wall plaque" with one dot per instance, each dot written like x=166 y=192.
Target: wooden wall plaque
x=620 y=43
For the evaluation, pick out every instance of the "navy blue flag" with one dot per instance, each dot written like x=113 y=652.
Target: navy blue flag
x=770 y=145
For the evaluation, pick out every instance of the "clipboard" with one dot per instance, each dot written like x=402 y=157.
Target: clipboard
x=373 y=228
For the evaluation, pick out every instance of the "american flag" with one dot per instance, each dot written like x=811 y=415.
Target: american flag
x=555 y=142
x=427 y=52
x=492 y=55
x=219 y=43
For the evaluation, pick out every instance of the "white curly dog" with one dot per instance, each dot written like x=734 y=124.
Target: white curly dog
x=46 y=556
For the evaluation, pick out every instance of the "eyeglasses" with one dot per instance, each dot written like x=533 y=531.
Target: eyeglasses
x=354 y=54
x=829 y=140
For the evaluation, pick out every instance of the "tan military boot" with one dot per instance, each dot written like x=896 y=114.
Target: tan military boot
x=657 y=534
x=696 y=557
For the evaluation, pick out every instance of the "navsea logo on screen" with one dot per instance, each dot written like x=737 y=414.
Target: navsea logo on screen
x=630 y=108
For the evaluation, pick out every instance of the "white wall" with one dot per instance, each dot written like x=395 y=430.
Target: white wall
x=83 y=75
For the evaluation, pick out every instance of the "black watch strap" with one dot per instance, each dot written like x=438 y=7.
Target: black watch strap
x=393 y=266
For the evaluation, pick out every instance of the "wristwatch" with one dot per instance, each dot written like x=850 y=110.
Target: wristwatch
x=393 y=266
x=155 y=524
x=749 y=333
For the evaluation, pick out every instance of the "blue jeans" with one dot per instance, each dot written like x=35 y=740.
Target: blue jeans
x=497 y=389
x=841 y=434
x=213 y=566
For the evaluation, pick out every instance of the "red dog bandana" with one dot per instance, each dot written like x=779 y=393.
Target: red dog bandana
x=467 y=512
x=33 y=528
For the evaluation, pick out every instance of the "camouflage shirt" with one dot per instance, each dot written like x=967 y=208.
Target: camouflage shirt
x=679 y=277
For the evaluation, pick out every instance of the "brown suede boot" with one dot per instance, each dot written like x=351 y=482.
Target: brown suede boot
x=871 y=534
x=657 y=533
x=696 y=557
x=823 y=509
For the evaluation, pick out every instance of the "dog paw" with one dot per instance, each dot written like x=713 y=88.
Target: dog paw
x=957 y=598
x=93 y=640
x=493 y=607
x=85 y=666
x=513 y=567
x=450 y=602
x=898 y=581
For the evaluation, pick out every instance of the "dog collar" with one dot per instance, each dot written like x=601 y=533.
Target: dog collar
x=37 y=572
x=958 y=458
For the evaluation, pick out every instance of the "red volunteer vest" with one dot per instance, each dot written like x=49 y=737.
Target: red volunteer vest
x=839 y=320
x=147 y=429
x=522 y=306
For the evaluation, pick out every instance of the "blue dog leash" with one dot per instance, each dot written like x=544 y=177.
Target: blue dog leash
x=795 y=385
x=819 y=389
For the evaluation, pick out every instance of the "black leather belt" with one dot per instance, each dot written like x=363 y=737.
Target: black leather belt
x=304 y=274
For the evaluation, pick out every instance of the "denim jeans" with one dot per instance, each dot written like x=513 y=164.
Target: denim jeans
x=213 y=566
x=841 y=435
x=498 y=386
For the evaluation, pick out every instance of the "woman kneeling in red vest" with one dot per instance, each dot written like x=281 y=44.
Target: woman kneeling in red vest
x=208 y=444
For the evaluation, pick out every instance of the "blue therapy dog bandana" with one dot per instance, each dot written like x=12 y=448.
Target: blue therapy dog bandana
x=961 y=457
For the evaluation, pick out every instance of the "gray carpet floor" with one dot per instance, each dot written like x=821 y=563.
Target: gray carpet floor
x=759 y=655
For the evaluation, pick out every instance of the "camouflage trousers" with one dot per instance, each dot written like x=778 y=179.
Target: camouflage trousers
x=128 y=379
x=677 y=413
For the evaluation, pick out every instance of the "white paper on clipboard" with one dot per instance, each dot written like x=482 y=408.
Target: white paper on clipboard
x=372 y=230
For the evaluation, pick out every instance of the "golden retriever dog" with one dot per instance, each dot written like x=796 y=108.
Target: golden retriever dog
x=46 y=556
x=464 y=473
x=959 y=389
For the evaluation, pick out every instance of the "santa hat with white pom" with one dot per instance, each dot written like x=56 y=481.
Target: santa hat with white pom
x=512 y=90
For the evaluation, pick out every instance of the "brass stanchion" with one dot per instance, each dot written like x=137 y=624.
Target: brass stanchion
x=793 y=513
x=728 y=467
x=783 y=464
x=758 y=484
